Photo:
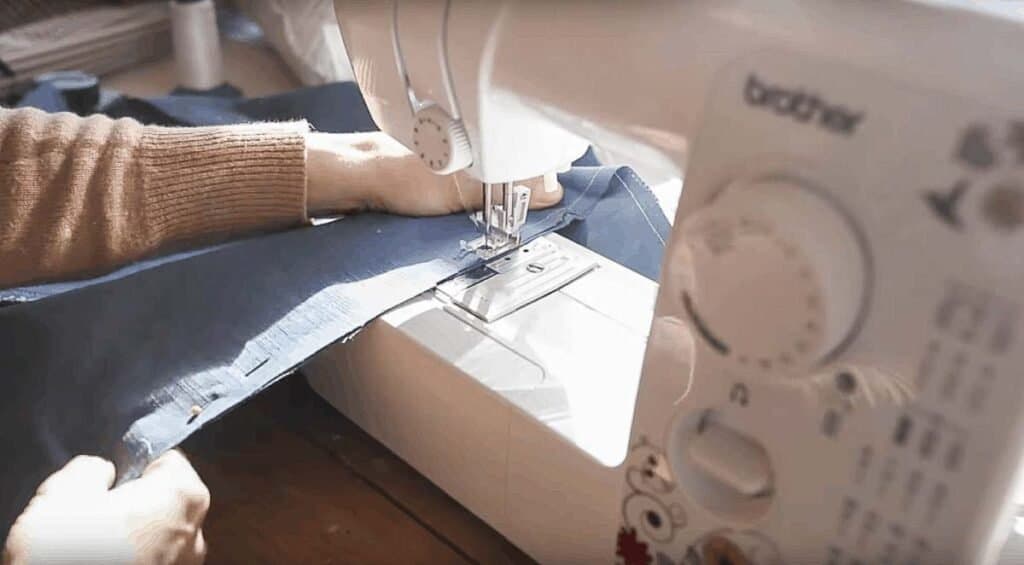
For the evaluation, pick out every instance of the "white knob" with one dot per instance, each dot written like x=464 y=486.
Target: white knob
x=440 y=140
x=732 y=459
x=779 y=277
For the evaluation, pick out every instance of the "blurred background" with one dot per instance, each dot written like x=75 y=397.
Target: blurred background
x=268 y=46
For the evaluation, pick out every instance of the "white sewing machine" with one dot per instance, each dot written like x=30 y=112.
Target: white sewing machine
x=832 y=370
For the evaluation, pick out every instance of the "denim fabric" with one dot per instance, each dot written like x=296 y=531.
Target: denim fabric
x=627 y=226
x=117 y=366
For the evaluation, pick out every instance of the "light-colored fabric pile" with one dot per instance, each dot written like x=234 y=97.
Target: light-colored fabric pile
x=305 y=34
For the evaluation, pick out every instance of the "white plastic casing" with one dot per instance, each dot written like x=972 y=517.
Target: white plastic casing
x=897 y=437
x=509 y=422
x=445 y=51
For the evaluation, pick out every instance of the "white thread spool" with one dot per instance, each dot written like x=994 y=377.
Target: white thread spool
x=196 y=44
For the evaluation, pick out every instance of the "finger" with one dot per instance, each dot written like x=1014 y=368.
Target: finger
x=172 y=460
x=172 y=473
x=545 y=192
x=81 y=474
x=199 y=549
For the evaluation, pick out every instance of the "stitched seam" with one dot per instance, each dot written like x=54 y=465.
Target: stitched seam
x=641 y=208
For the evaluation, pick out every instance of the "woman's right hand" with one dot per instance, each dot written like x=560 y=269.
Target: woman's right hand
x=351 y=172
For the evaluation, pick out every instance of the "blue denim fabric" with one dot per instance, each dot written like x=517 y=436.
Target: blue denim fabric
x=627 y=226
x=115 y=366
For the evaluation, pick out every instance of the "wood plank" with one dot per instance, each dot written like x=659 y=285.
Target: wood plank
x=276 y=498
x=292 y=480
x=304 y=412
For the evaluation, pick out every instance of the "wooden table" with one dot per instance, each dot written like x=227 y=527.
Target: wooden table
x=294 y=481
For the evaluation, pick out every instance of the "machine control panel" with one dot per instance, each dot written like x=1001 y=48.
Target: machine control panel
x=845 y=386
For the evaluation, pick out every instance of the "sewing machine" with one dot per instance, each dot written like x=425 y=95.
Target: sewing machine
x=829 y=369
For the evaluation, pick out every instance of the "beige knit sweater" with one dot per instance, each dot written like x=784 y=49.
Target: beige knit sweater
x=79 y=196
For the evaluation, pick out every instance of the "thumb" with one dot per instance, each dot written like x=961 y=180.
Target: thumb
x=545 y=192
x=172 y=474
x=83 y=473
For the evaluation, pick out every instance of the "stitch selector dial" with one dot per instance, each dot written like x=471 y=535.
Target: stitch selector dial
x=779 y=277
x=440 y=140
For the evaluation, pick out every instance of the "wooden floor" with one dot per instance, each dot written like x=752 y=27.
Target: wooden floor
x=293 y=481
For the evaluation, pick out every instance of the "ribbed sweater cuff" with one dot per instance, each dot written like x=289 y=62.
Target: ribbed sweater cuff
x=210 y=181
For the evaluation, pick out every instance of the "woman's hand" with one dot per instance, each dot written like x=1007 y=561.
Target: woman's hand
x=75 y=517
x=371 y=171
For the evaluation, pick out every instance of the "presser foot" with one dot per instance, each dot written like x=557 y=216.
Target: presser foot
x=489 y=248
x=505 y=206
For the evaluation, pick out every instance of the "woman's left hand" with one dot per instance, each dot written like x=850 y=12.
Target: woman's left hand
x=76 y=517
x=371 y=171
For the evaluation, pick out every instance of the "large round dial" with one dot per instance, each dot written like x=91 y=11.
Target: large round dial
x=440 y=140
x=779 y=276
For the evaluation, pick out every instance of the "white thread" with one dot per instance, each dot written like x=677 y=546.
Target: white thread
x=196 y=45
x=639 y=207
x=470 y=210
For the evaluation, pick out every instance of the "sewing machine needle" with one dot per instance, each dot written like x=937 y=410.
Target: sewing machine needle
x=487 y=214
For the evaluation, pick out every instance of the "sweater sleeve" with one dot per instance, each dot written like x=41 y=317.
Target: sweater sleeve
x=83 y=195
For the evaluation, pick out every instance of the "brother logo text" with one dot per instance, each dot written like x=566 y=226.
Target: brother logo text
x=801 y=106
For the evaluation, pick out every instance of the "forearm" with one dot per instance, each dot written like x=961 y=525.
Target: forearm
x=79 y=196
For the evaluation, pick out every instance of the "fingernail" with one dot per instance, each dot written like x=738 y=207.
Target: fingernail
x=550 y=182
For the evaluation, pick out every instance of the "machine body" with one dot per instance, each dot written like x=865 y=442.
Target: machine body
x=525 y=418
x=832 y=370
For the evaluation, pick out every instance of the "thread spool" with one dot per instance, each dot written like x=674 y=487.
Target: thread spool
x=197 y=53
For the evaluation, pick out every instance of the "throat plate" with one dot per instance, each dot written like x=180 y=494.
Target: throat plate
x=513 y=281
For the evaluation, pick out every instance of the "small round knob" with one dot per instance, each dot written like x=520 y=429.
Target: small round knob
x=779 y=277
x=440 y=140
